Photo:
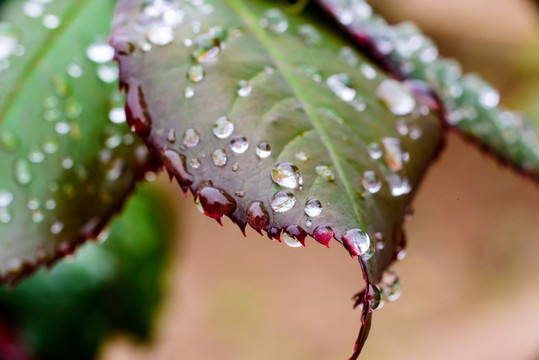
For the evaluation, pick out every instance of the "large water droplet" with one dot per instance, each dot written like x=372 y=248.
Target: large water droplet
x=263 y=150
x=239 y=144
x=393 y=154
x=223 y=127
x=313 y=208
x=274 y=20
x=191 y=138
x=216 y=202
x=396 y=96
x=323 y=234
x=244 y=88
x=219 y=157
x=287 y=175
x=357 y=242
x=257 y=215
x=342 y=86
x=100 y=52
x=283 y=201
x=371 y=182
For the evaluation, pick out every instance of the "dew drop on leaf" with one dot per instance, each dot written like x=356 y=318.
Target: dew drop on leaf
x=223 y=127
x=195 y=73
x=357 y=242
x=219 y=157
x=257 y=215
x=263 y=150
x=189 y=92
x=275 y=21
x=287 y=175
x=216 y=202
x=393 y=154
x=100 y=52
x=283 y=201
x=290 y=241
x=396 y=96
x=323 y=234
x=325 y=172
x=191 y=138
x=239 y=144
x=309 y=35
x=244 y=88
x=398 y=185
x=313 y=208
x=342 y=86
x=301 y=156
x=371 y=182
x=160 y=34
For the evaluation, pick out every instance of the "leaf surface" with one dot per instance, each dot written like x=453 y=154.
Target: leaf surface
x=68 y=159
x=256 y=113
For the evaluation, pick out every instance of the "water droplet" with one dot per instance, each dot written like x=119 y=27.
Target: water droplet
x=9 y=141
x=117 y=115
x=50 y=204
x=100 y=52
x=393 y=154
x=5 y=215
x=171 y=136
x=240 y=193
x=62 y=127
x=398 y=185
x=33 y=9
x=293 y=235
x=389 y=285
x=223 y=127
x=308 y=222
x=219 y=157
x=402 y=127
x=290 y=241
x=342 y=86
x=160 y=34
x=396 y=96
x=368 y=71
x=74 y=70
x=176 y=165
x=195 y=73
x=274 y=20
x=488 y=96
x=191 y=138
x=236 y=166
x=263 y=150
x=257 y=215
x=323 y=234
x=51 y=21
x=375 y=297
x=357 y=242
x=207 y=48
x=287 y=175
x=415 y=132
x=309 y=35
x=239 y=144
x=56 y=227
x=189 y=92
x=22 y=172
x=50 y=146
x=137 y=111
x=301 y=156
x=216 y=202
x=244 y=88
x=35 y=156
x=283 y=201
x=6 y=198
x=9 y=39
x=375 y=152
x=195 y=163
x=67 y=163
x=325 y=172
x=313 y=208
x=108 y=73
x=370 y=182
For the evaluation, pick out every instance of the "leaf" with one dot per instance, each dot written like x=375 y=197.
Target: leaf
x=66 y=166
x=106 y=288
x=298 y=111
x=470 y=104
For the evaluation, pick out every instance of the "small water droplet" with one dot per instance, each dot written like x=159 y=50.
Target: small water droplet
x=108 y=73
x=51 y=21
x=207 y=48
x=189 y=92
x=257 y=215
x=9 y=141
x=195 y=73
x=398 y=185
x=323 y=234
x=6 y=198
x=263 y=150
x=239 y=144
x=325 y=172
x=287 y=175
x=117 y=115
x=9 y=40
x=274 y=20
x=283 y=201
x=219 y=157
x=191 y=138
x=240 y=193
x=244 y=88
x=74 y=70
x=35 y=155
x=396 y=96
x=308 y=222
x=313 y=208
x=389 y=285
x=342 y=86
x=368 y=71
x=375 y=297
x=223 y=127
x=22 y=172
x=309 y=35
x=5 y=215
x=56 y=227
x=357 y=242
x=216 y=202
x=160 y=34
x=375 y=152
x=171 y=136
x=50 y=204
x=301 y=156
x=236 y=166
x=393 y=154
x=195 y=163
x=100 y=52
x=370 y=182
x=33 y=9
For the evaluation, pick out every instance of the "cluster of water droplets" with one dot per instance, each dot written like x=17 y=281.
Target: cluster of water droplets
x=470 y=102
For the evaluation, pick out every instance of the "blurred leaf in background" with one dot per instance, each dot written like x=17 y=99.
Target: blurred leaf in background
x=114 y=286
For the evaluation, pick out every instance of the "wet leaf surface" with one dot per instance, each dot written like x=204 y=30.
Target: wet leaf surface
x=270 y=119
x=68 y=159
x=106 y=287
x=470 y=104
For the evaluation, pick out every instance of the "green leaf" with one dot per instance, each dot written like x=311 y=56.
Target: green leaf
x=105 y=288
x=279 y=81
x=66 y=166
x=470 y=104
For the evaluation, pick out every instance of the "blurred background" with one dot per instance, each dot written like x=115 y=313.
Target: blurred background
x=470 y=281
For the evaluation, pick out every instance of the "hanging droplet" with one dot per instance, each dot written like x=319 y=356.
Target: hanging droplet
x=219 y=157
x=323 y=234
x=297 y=233
x=257 y=215
x=396 y=96
x=370 y=182
x=342 y=86
x=195 y=73
x=313 y=208
x=290 y=241
x=223 y=127
x=283 y=201
x=389 y=285
x=393 y=154
x=357 y=242
x=263 y=150
x=244 y=88
x=325 y=172
x=176 y=166
x=274 y=20
x=375 y=297
x=191 y=138
x=287 y=175
x=136 y=110
x=216 y=202
x=239 y=144
x=100 y=52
